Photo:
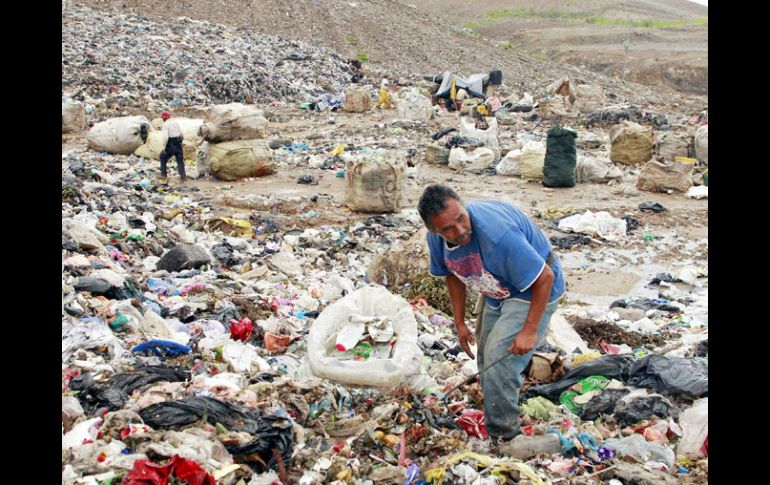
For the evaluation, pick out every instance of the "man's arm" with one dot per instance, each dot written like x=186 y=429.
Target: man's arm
x=457 y=293
x=541 y=291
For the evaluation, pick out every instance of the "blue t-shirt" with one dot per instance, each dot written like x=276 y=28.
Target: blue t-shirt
x=506 y=254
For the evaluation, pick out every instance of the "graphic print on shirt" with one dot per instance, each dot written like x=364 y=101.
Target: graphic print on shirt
x=471 y=271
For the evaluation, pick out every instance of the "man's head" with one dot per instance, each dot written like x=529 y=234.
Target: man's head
x=165 y=115
x=444 y=214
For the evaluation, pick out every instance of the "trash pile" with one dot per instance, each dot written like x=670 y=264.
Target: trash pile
x=115 y=62
x=215 y=336
x=236 y=344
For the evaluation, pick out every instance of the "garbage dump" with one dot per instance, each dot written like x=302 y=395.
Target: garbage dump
x=273 y=319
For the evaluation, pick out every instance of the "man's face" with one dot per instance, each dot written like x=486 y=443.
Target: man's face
x=453 y=223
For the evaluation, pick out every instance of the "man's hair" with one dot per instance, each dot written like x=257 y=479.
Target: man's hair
x=433 y=199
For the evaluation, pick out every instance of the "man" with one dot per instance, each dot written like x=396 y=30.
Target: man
x=173 y=146
x=493 y=248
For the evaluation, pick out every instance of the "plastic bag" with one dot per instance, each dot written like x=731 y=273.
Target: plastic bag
x=600 y=224
x=662 y=177
x=560 y=158
x=88 y=333
x=73 y=116
x=269 y=431
x=478 y=159
x=532 y=160
x=239 y=159
x=589 y=384
x=630 y=143
x=234 y=121
x=695 y=429
x=357 y=100
x=472 y=421
x=486 y=137
x=510 y=164
x=414 y=106
x=672 y=375
x=639 y=448
x=369 y=300
x=593 y=170
x=374 y=185
x=118 y=135
x=146 y=472
x=609 y=366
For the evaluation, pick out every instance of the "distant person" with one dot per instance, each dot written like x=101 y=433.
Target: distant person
x=357 y=68
x=384 y=101
x=173 y=146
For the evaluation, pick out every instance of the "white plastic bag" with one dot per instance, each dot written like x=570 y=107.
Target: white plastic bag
x=414 y=106
x=73 y=116
x=86 y=334
x=510 y=164
x=697 y=192
x=641 y=449
x=487 y=137
x=561 y=335
x=478 y=159
x=695 y=429
x=593 y=170
x=600 y=224
x=384 y=373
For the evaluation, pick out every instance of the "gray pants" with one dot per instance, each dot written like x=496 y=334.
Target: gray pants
x=502 y=382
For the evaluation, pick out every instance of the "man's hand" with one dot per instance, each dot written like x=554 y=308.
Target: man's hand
x=466 y=339
x=523 y=343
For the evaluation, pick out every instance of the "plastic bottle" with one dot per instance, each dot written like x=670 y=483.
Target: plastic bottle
x=349 y=336
x=525 y=447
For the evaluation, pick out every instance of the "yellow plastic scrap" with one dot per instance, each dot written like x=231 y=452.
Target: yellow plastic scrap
x=234 y=227
x=556 y=212
x=583 y=358
x=338 y=150
x=435 y=476
x=496 y=465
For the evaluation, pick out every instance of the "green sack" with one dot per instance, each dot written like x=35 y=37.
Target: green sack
x=560 y=158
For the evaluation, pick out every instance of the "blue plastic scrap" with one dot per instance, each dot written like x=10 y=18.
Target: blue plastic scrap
x=162 y=348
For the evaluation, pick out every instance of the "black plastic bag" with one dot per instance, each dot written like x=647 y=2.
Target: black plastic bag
x=560 y=158
x=115 y=392
x=643 y=408
x=686 y=376
x=270 y=432
x=604 y=403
